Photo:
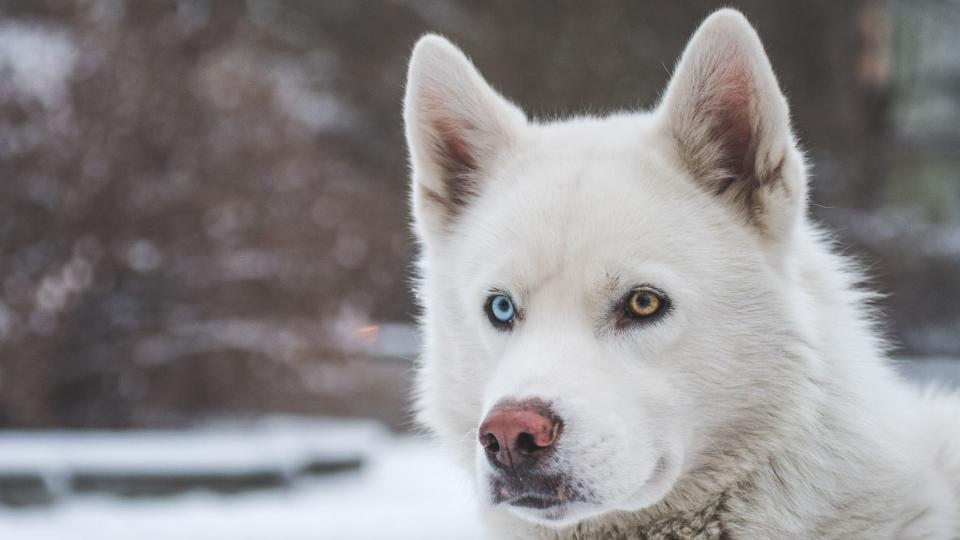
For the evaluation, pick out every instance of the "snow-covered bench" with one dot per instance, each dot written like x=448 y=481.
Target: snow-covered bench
x=39 y=467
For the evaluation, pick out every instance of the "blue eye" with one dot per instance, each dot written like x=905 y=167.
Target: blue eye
x=500 y=310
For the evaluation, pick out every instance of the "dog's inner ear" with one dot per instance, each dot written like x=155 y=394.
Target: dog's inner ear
x=456 y=126
x=730 y=123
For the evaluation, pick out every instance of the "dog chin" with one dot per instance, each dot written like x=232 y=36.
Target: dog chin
x=557 y=516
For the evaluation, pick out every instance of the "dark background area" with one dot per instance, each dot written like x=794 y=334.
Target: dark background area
x=203 y=207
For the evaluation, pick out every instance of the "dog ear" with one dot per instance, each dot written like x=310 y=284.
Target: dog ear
x=456 y=124
x=730 y=123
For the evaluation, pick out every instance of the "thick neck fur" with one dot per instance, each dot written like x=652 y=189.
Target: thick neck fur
x=832 y=461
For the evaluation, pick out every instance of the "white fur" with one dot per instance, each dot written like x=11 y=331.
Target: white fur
x=766 y=380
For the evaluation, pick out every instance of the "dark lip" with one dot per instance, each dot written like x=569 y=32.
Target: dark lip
x=534 y=500
x=552 y=492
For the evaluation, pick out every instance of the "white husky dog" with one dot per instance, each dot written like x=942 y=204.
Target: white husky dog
x=633 y=330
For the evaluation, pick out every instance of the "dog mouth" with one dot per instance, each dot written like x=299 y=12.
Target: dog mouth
x=534 y=500
x=534 y=492
x=556 y=499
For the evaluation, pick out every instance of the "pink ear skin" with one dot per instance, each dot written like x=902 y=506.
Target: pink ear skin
x=730 y=123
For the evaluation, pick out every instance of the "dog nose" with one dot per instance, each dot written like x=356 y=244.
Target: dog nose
x=518 y=435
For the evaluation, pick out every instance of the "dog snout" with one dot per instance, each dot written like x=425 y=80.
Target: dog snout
x=517 y=436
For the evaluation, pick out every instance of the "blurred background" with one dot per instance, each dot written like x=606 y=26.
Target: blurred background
x=205 y=324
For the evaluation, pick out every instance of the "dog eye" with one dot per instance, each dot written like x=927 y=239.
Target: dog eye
x=500 y=310
x=643 y=303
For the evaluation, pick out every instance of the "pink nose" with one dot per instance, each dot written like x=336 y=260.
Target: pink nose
x=519 y=435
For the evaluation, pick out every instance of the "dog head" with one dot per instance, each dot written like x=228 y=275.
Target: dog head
x=602 y=314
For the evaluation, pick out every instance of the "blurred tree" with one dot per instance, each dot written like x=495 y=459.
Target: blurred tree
x=203 y=204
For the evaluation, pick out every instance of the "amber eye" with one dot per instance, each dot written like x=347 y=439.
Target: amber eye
x=643 y=303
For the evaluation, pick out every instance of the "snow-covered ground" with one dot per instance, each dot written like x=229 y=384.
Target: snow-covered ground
x=407 y=490
x=944 y=372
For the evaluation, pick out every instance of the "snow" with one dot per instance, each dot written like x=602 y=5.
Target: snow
x=287 y=443
x=407 y=490
x=941 y=371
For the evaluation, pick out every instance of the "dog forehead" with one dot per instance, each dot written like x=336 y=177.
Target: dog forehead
x=588 y=201
x=571 y=200
x=585 y=215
